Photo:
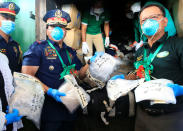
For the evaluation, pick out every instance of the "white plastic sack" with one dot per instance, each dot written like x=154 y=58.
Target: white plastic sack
x=155 y=90
x=75 y=95
x=28 y=97
x=103 y=67
x=2 y=120
x=120 y=87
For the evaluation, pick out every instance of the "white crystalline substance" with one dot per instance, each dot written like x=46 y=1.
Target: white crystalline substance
x=103 y=67
x=120 y=87
x=155 y=90
x=75 y=95
x=28 y=97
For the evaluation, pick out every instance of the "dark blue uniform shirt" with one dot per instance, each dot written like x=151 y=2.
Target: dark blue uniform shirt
x=13 y=52
x=42 y=55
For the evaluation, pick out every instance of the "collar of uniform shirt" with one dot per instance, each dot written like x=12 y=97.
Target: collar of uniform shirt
x=158 y=42
x=10 y=38
x=63 y=44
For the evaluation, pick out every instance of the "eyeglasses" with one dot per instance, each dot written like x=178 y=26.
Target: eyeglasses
x=154 y=17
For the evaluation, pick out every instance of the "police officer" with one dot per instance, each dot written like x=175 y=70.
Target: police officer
x=9 y=47
x=50 y=60
x=161 y=57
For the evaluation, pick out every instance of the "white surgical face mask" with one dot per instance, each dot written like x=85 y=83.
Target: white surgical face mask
x=98 y=10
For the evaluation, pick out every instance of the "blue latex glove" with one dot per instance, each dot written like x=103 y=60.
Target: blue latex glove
x=13 y=117
x=97 y=54
x=7 y=110
x=118 y=77
x=55 y=94
x=177 y=89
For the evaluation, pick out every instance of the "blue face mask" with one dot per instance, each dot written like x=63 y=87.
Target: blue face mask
x=57 y=33
x=7 y=26
x=150 y=27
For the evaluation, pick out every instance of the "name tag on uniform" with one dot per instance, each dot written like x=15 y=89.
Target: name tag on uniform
x=163 y=54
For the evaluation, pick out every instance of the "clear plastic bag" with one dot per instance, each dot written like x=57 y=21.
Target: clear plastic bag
x=155 y=90
x=103 y=67
x=120 y=87
x=75 y=95
x=28 y=97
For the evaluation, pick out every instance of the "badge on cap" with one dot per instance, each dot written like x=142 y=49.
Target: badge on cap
x=12 y=6
x=58 y=14
x=51 y=67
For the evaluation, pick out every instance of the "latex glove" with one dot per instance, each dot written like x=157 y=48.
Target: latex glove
x=140 y=44
x=13 y=117
x=137 y=45
x=85 y=48
x=177 y=89
x=55 y=94
x=7 y=109
x=107 y=41
x=97 y=54
x=118 y=77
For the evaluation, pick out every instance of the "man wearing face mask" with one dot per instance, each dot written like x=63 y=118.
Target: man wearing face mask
x=49 y=61
x=8 y=46
x=91 y=29
x=160 y=57
x=10 y=59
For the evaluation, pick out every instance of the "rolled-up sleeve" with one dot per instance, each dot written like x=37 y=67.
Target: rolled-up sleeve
x=84 y=19
x=107 y=17
x=32 y=57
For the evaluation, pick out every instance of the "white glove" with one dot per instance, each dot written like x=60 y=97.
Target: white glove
x=85 y=48
x=138 y=45
x=107 y=41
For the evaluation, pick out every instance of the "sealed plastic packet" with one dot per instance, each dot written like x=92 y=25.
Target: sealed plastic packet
x=156 y=91
x=75 y=95
x=121 y=87
x=28 y=97
x=101 y=69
